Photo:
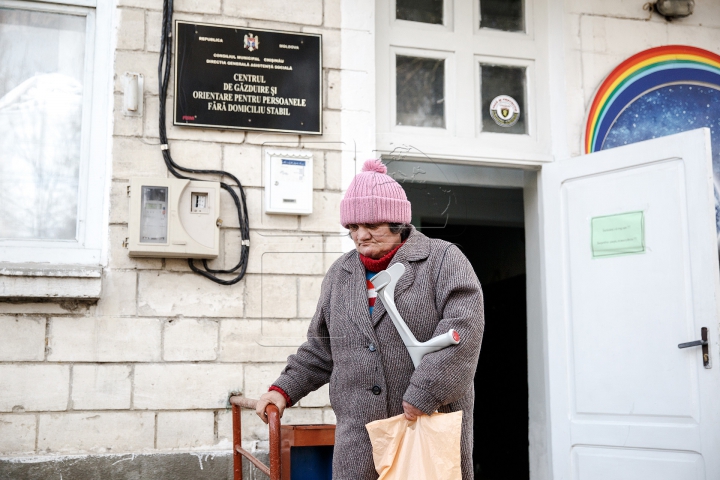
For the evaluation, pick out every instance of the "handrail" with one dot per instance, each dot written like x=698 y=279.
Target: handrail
x=273 y=415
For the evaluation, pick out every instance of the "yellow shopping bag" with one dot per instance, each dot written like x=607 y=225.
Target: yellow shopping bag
x=425 y=449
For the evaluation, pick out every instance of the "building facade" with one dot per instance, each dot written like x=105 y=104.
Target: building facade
x=107 y=358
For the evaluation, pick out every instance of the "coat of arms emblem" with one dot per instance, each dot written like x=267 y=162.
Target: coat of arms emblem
x=252 y=42
x=505 y=110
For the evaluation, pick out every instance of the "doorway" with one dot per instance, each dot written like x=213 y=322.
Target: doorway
x=487 y=224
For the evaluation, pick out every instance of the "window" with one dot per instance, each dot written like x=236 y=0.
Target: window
x=420 y=91
x=502 y=93
x=41 y=97
x=54 y=89
x=425 y=11
x=460 y=78
x=505 y=15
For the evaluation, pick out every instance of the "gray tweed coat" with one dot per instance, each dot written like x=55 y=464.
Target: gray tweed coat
x=364 y=360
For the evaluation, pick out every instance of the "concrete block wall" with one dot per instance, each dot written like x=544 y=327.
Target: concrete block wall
x=149 y=367
x=600 y=35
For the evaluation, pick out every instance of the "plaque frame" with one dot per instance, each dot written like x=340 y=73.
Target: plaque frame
x=257 y=129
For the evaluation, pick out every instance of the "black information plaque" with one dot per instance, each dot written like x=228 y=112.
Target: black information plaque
x=247 y=78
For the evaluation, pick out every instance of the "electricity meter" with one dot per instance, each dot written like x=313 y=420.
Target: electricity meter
x=172 y=217
x=289 y=182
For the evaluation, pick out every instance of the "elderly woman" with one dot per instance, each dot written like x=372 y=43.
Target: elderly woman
x=353 y=344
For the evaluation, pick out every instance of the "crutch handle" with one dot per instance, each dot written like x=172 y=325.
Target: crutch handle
x=384 y=283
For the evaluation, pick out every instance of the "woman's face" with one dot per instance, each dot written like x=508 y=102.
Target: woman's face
x=374 y=240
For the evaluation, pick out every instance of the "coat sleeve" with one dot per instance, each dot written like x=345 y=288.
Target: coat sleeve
x=448 y=374
x=310 y=368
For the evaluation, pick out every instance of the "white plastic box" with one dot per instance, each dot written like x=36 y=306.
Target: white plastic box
x=171 y=217
x=289 y=182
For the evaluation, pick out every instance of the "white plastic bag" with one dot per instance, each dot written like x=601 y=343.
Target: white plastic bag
x=425 y=449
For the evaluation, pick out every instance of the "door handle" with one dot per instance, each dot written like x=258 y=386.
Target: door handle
x=700 y=343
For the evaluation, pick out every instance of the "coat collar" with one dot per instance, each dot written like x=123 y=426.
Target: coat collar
x=417 y=247
x=355 y=287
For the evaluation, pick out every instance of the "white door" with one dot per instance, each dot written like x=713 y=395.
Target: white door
x=631 y=271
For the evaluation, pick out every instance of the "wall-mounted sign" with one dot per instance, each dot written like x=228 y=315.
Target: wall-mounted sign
x=620 y=234
x=504 y=110
x=247 y=78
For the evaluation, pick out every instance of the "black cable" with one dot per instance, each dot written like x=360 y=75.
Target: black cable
x=175 y=169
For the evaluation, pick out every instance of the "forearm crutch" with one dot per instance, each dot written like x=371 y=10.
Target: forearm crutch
x=384 y=283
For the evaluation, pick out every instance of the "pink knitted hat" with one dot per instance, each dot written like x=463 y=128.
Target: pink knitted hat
x=374 y=197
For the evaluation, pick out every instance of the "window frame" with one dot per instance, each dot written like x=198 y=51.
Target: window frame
x=87 y=247
x=464 y=43
x=529 y=66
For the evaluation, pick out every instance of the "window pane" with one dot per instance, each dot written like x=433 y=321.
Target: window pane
x=425 y=11
x=502 y=90
x=420 y=91
x=41 y=89
x=505 y=15
x=154 y=215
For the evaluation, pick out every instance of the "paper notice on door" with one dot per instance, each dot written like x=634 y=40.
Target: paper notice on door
x=620 y=234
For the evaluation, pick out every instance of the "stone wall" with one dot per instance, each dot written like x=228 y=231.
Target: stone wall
x=172 y=466
x=149 y=367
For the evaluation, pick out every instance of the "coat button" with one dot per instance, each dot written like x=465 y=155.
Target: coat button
x=371 y=347
x=376 y=390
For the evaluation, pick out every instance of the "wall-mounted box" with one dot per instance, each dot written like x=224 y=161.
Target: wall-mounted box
x=133 y=86
x=289 y=182
x=172 y=217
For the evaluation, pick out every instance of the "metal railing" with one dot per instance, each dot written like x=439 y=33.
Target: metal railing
x=273 y=416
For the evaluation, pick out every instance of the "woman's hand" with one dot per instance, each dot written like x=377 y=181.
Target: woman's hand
x=273 y=397
x=411 y=413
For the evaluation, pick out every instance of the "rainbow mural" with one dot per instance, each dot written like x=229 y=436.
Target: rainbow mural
x=641 y=73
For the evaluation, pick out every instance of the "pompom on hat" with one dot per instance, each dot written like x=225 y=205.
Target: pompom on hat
x=374 y=197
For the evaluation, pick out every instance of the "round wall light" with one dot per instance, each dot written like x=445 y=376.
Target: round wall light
x=674 y=8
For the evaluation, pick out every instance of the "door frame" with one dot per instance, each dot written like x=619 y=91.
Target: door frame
x=539 y=434
x=359 y=134
x=539 y=427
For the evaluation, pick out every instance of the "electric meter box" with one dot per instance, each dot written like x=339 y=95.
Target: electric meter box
x=172 y=217
x=288 y=182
